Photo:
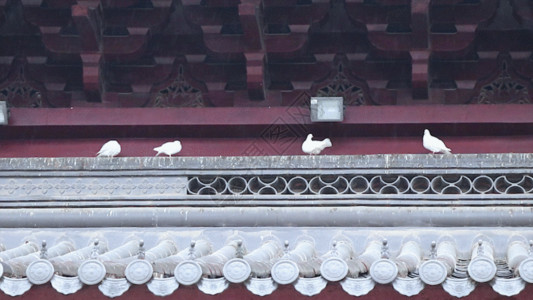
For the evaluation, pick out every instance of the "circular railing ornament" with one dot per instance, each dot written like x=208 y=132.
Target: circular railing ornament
x=285 y=271
x=188 y=272
x=334 y=269
x=139 y=271
x=40 y=271
x=377 y=184
x=383 y=271
x=433 y=272
x=237 y=270
x=91 y=272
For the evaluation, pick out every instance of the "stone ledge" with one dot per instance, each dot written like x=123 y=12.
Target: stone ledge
x=300 y=162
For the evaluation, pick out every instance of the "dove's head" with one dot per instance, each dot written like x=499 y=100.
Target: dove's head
x=309 y=136
x=426 y=132
x=177 y=142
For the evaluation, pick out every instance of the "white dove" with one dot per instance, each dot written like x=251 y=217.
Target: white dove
x=314 y=147
x=168 y=148
x=109 y=149
x=434 y=144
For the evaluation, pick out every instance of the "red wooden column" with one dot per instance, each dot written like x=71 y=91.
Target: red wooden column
x=84 y=18
x=420 y=48
x=253 y=48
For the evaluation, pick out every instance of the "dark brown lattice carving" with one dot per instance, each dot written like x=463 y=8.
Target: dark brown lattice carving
x=18 y=93
x=504 y=90
x=339 y=83
x=180 y=93
x=340 y=86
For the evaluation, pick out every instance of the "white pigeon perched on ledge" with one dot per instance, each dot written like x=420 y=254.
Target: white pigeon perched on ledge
x=434 y=144
x=109 y=149
x=169 y=148
x=314 y=147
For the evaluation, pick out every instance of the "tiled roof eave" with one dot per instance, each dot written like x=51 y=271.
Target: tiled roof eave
x=406 y=259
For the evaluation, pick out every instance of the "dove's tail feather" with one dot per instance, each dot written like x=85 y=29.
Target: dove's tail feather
x=447 y=151
x=157 y=149
x=327 y=142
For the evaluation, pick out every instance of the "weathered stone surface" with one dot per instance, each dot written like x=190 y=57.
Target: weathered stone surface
x=383 y=161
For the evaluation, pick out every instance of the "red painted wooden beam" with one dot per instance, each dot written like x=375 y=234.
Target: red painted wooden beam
x=215 y=116
x=235 y=131
x=254 y=122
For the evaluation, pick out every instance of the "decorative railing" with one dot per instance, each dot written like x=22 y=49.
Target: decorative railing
x=352 y=184
x=402 y=180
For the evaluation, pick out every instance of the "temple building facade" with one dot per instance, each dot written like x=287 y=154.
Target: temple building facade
x=241 y=212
